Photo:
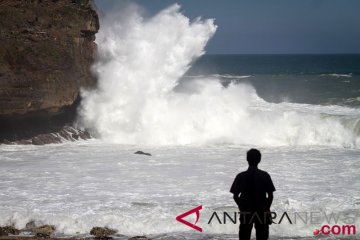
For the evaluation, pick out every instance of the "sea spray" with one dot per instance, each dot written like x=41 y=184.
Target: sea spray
x=141 y=61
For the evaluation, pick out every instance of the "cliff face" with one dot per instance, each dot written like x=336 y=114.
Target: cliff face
x=46 y=51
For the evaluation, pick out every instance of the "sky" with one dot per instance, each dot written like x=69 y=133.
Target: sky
x=270 y=26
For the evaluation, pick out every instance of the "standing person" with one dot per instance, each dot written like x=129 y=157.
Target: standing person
x=253 y=193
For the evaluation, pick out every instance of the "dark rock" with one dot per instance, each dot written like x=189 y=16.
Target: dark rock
x=31 y=224
x=9 y=230
x=49 y=73
x=67 y=133
x=37 y=141
x=142 y=153
x=22 y=142
x=139 y=238
x=7 y=142
x=42 y=139
x=44 y=231
x=43 y=65
x=84 y=135
x=102 y=232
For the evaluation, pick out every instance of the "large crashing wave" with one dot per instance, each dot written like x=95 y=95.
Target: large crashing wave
x=140 y=63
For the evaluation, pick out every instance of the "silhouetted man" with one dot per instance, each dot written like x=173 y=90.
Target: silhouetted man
x=250 y=189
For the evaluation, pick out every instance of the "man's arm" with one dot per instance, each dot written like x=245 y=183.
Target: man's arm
x=236 y=190
x=270 y=190
x=270 y=199
x=237 y=199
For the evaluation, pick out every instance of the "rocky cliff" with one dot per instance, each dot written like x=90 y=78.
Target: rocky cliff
x=46 y=51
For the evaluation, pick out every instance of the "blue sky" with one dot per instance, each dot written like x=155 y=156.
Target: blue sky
x=270 y=26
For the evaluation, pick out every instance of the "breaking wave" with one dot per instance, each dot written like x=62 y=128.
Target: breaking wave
x=337 y=75
x=141 y=61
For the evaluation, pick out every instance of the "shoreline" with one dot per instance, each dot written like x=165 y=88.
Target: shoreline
x=182 y=236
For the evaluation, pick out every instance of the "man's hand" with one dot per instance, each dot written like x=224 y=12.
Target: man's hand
x=237 y=199
x=270 y=199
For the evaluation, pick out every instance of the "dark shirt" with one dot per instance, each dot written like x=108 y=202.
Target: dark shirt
x=253 y=185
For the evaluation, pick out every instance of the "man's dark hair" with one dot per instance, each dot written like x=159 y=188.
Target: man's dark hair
x=253 y=157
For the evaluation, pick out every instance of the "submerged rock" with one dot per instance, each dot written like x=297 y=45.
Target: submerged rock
x=31 y=224
x=102 y=232
x=8 y=230
x=139 y=238
x=142 y=153
x=67 y=133
x=43 y=231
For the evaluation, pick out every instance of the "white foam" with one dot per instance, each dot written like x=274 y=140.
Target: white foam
x=141 y=61
x=338 y=75
x=219 y=76
x=79 y=185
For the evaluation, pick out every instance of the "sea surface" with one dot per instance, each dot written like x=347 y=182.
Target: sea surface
x=78 y=185
x=324 y=79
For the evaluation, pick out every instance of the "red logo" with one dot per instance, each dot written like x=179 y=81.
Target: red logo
x=185 y=214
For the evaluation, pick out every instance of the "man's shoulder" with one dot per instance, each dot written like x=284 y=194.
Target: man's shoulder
x=263 y=173
x=246 y=173
x=240 y=174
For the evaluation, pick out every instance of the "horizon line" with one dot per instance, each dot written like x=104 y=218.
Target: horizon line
x=282 y=54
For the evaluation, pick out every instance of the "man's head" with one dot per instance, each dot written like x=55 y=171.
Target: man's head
x=253 y=157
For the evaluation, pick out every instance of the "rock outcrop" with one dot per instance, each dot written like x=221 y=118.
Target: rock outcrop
x=44 y=231
x=9 y=230
x=102 y=232
x=47 y=49
x=66 y=134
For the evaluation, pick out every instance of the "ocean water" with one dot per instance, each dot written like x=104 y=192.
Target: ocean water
x=76 y=186
x=313 y=79
x=197 y=115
